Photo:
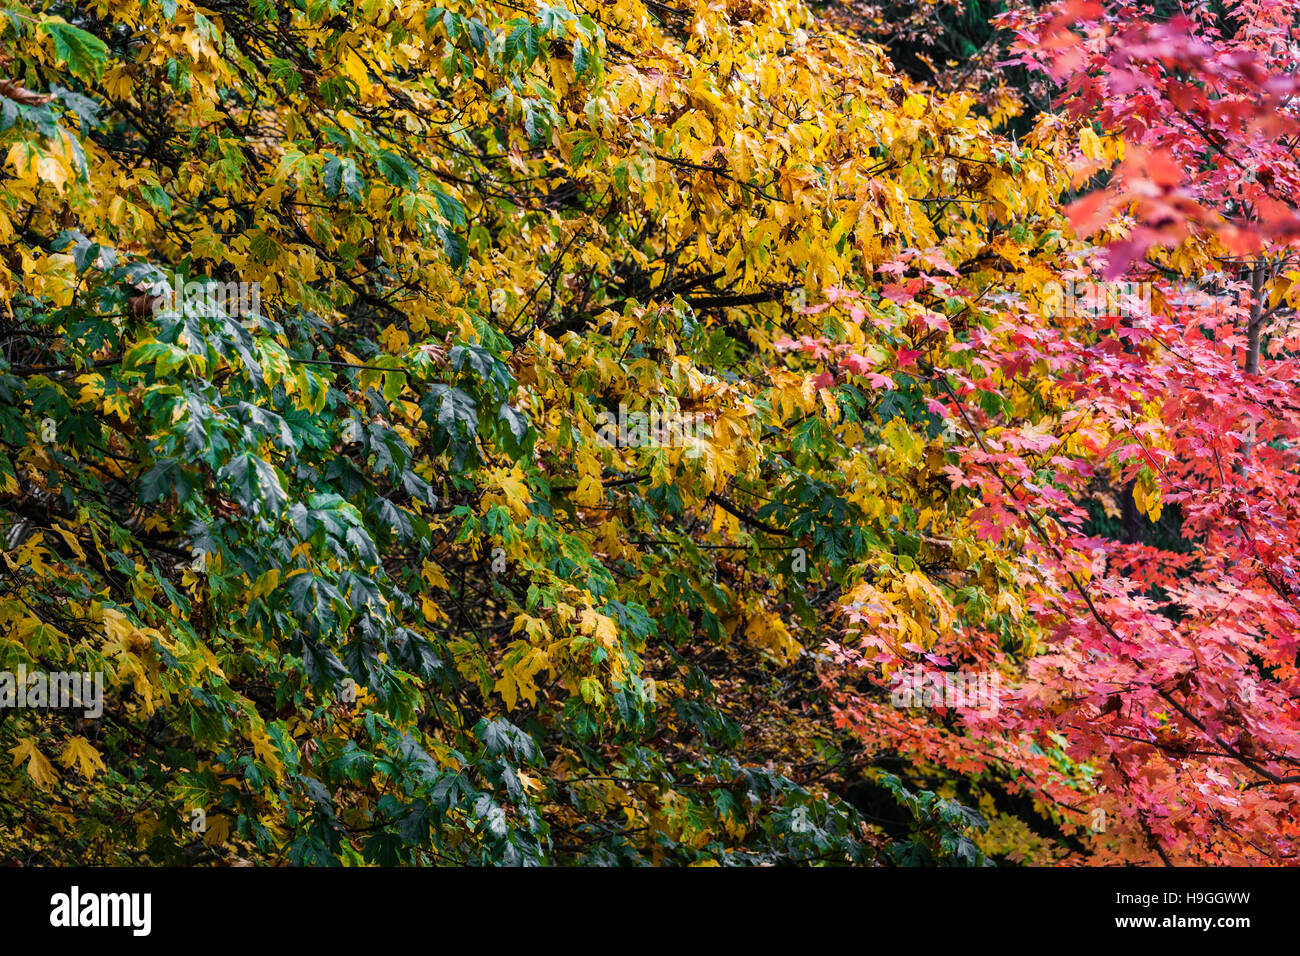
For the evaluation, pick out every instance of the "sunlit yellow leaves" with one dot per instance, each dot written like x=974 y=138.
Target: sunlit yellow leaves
x=71 y=541
x=131 y=651
x=904 y=445
x=509 y=489
x=1089 y=142
x=768 y=632
x=1146 y=495
x=725 y=522
x=792 y=394
x=263 y=747
x=117 y=82
x=906 y=610
x=433 y=575
x=535 y=628
x=519 y=669
x=39 y=768
x=25 y=160
x=590 y=491
x=1284 y=288
x=394 y=340
x=217 y=829
x=79 y=752
x=356 y=69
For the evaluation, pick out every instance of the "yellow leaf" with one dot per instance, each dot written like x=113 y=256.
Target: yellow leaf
x=218 y=830
x=39 y=769
x=80 y=752
x=1089 y=143
x=265 y=750
x=589 y=492
x=25 y=161
x=71 y=541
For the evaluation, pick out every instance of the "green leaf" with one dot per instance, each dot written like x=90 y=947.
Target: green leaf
x=451 y=208
x=341 y=174
x=397 y=170
x=516 y=421
x=581 y=62
x=254 y=484
x=83 y=53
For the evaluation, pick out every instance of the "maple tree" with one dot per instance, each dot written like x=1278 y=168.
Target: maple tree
x=485 y=434
x=1158 y=701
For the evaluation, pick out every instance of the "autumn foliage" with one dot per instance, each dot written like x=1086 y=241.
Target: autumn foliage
x=498 y=434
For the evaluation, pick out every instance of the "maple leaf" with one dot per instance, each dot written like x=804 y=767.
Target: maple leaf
x=87 y=759
x=39 y=769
